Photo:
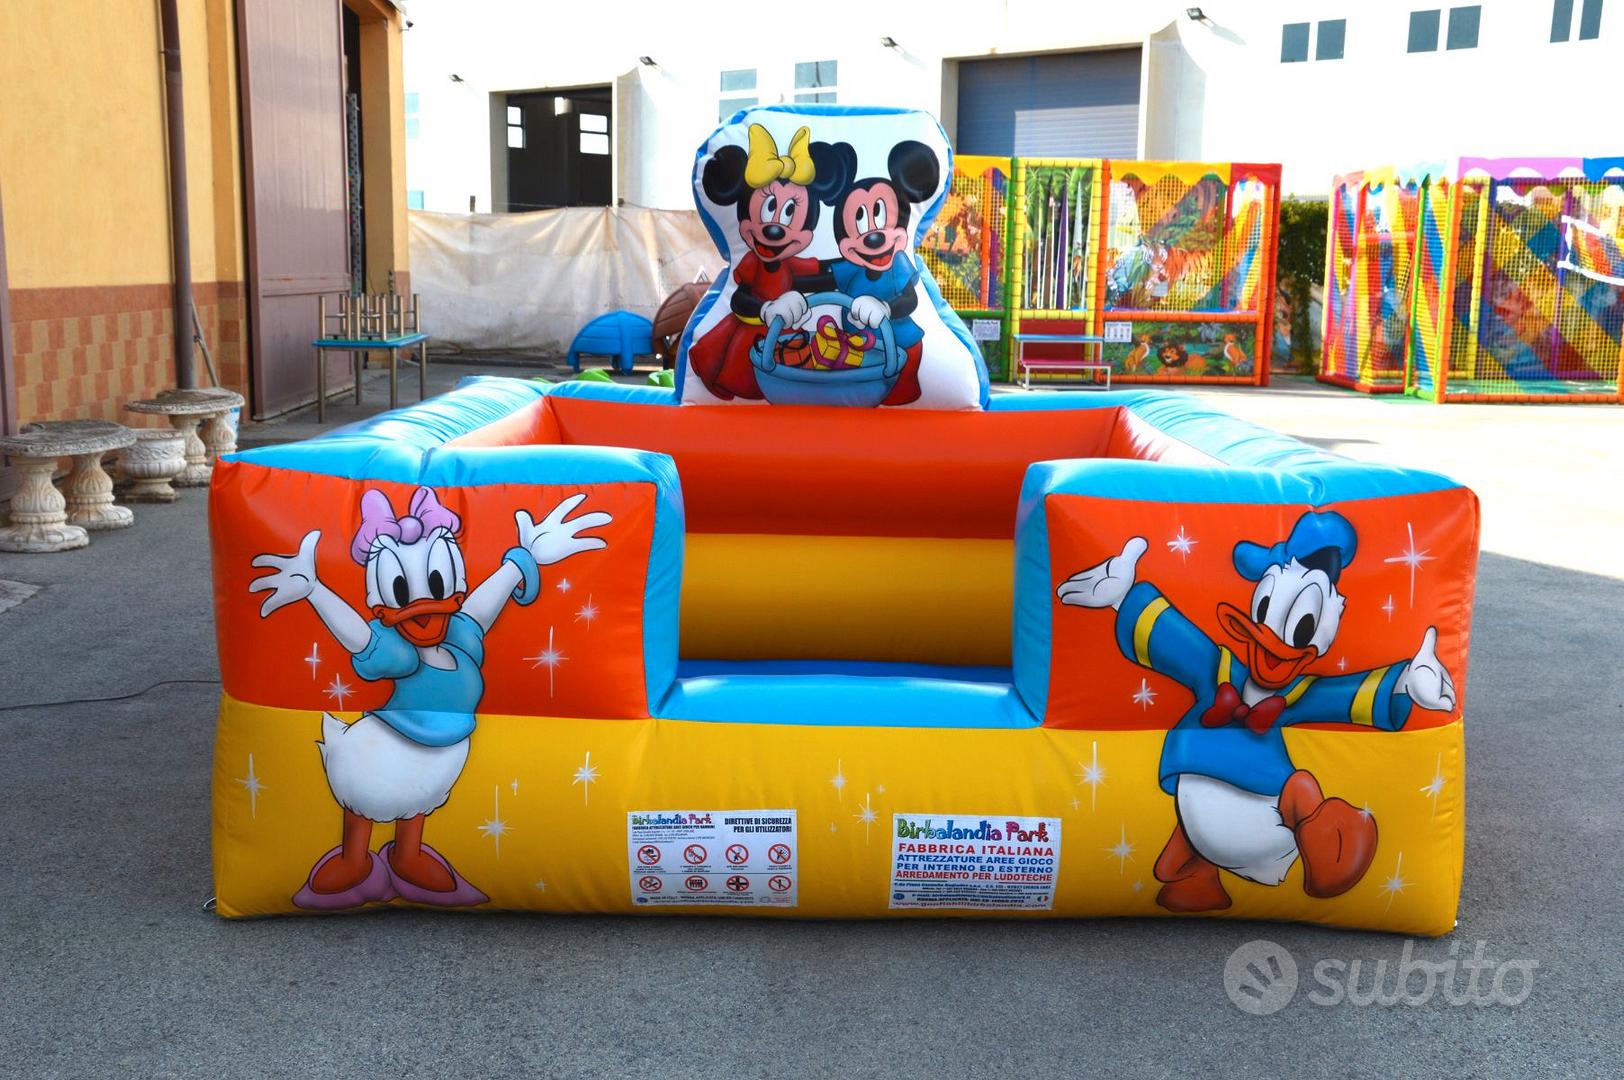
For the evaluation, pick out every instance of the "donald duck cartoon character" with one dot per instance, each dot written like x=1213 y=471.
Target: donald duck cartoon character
x=427 y=634
x=1242 y=805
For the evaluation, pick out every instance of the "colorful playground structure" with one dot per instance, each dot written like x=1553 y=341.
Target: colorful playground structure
x=1478 y=280
x=829 y=631
x=1171 y=263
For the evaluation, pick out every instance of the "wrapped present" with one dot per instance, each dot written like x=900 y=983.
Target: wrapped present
x=838 y=348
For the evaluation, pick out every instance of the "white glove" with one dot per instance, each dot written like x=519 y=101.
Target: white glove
x=869 y=311
x=1427 y=681
x=554 y=539
x=791 y=308
x=1104 y=585
x=293 y=577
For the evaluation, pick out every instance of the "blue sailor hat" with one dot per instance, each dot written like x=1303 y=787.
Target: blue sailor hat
x=1322 y=540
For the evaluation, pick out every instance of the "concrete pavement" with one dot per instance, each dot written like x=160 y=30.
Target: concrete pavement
x=110 y=964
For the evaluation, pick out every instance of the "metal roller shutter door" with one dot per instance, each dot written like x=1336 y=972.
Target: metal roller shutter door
x=1082 y=104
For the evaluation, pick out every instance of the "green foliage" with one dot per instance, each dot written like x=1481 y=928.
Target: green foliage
x=1302 y=241
x=1301 y=269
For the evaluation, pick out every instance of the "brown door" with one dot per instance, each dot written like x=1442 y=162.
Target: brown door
x=291 y=61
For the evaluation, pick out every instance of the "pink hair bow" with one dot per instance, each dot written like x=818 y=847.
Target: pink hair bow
x=378 y=519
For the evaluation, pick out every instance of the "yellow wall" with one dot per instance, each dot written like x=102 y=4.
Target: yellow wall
x=82 y=146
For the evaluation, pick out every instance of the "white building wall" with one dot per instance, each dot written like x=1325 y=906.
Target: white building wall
x=1212 y=89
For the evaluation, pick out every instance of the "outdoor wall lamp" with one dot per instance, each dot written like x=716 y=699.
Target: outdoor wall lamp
x=647 y=61
x=889 y=42
x=1195 y=14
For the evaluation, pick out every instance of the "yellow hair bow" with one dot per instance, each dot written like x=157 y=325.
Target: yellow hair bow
x=763 y=165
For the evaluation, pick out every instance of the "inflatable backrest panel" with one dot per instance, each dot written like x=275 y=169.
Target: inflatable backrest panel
x=824 y=300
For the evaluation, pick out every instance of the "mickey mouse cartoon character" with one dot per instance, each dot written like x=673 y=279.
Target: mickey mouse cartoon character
x=1243 y=806
x=776 y=197
x=875 y=269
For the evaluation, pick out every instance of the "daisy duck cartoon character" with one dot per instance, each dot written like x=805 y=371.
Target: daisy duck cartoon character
x=426 y=634
x=1242 y=806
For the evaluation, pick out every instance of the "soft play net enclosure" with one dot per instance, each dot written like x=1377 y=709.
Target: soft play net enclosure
x=593 y=647
x=1478 y=280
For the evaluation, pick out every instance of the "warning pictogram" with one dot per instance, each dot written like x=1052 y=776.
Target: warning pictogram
x=737 y=858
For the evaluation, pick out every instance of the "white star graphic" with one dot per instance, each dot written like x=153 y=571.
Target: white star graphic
x=586 y=774
x=1121 y=851
x=563 y=584
x=515 y=785
x=1076 y=804
x=1342 y=664
x=1137 y=885
x=338 y=691
x=495 y=828
x=252 y=785
x=1395 y=884
x=588 y=612
x=1144 y=697
x=314 y=660
x=1412 y=558
x=867 y=815
x=880 y=788
x=1388 y=607
x=541 y=884
x=1092 y=774
x=838 y=780
x=1182 y=544
x=551 y=657
x=833 y=827
x=1432 y=788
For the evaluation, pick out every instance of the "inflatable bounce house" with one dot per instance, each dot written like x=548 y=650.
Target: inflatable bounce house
x=1172 y=262
x=1484 y=279
x=826 y=631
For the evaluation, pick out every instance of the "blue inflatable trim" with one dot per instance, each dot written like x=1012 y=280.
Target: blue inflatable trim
x=845 y=700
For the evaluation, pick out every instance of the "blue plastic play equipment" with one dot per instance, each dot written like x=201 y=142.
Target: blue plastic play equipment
x=620 y=334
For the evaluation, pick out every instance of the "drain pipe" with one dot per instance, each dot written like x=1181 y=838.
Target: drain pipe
x=180 y=233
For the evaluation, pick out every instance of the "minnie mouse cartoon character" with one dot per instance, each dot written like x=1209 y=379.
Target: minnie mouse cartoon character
x=777 y=198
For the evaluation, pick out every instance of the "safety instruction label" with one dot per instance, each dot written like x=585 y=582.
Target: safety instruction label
x=736 y=858
x=986 y=329
x=977 y=861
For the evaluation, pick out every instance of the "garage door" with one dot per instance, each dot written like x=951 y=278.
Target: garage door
x=1055 y=105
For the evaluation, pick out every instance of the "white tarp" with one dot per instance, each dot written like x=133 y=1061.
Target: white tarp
x=531 y=281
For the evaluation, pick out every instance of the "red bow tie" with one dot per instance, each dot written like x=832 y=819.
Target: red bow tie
x=1228 y=708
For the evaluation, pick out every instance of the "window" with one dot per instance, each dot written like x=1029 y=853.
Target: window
x=1294 y=43
x=515 y=127
x=1590 y=21
x=1424 y=30
x=1562 y=20
x=1332 y=32
x=414 y=200
x=594 y=131
x=1329 y=40
x=815 y=81
x=738 y=92
x=1463 y=27
x=412 y=126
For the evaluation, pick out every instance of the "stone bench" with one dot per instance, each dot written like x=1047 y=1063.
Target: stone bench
x=185 y=409
x=44 y=519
